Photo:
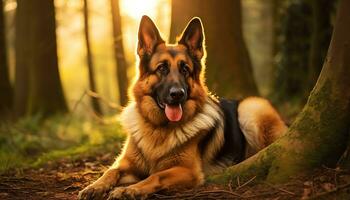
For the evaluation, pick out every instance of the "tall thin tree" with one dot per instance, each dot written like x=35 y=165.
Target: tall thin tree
x=320 y=37
x=294 y=33
x=119 y=53
x=94 y=101
x=5 y=85
x=229 y=70
x=38 y=86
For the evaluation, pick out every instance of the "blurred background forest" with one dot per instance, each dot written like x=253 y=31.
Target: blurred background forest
x=66 y=65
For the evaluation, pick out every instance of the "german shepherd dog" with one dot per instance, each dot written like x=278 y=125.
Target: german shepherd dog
x=177 y=132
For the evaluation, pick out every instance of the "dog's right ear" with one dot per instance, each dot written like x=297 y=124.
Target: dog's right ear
x=193 y=37
x=148 y=37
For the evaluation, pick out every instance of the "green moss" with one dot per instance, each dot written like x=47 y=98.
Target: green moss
x=73 y=153
x=327 y=135
x=318 y=136
x=34 y=141
x=257 y=166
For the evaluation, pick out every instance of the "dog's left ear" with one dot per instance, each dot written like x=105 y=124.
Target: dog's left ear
x=148 y=36
x=193 y=37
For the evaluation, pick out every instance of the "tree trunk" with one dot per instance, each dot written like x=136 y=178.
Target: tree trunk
x=320 y=38
x=38 y=86
x=21 y=89
x=94 y=101
x=320 y=133
x=119 y=53
x=5 y=85
x=229 y=72
x=294 y=48
x=258 y=27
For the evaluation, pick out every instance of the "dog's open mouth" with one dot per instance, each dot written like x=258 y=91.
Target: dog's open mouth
x=172 y=112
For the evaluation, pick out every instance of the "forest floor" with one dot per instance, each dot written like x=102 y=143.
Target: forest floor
x=62 y=179
x=57 y=157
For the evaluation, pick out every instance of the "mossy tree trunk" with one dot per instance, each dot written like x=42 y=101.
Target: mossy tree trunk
x=119 y=55
x=229 y=71
x=320 y=133
x=38 y=86
x=5 y=85
x=92 y=83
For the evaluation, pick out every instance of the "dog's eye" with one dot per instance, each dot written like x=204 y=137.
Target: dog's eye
x=163 y=68
x=184 y=68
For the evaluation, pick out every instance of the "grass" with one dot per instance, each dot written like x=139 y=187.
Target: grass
x=30 y=142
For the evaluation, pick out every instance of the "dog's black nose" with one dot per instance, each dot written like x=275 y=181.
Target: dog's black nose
x=177 y=93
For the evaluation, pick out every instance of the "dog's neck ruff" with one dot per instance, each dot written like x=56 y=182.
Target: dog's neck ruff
x=156 y=142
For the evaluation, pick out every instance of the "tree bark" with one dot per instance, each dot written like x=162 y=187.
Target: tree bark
x=320 y=133
x=258 y=26
x=5 y=85
x=38 y=86
x=22 y=48
x=294 y=47
x=94 y=101
x=306 y=32
x=320 y=37
x=119 y=55
x=229 y=71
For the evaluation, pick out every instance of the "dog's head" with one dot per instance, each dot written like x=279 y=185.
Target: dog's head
x=170 y=86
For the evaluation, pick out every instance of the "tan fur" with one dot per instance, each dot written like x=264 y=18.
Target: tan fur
x=260 y=123
x=156 y=141
x=159 y=154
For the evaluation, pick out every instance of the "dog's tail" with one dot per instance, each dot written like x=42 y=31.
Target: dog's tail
x=260 y=123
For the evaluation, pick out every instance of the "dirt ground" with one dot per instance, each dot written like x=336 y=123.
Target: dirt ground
x=64 y=178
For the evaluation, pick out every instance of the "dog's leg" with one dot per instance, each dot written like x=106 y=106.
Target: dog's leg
x=100 y=188
x=176 y=176
x=119 y=173
x=110 y=179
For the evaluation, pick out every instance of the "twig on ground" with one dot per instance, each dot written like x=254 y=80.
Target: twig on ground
x=322 y=194
x=5 y=185
x=91 y=172
x=333 y=169
x=260 y=194
x=200 y=194
x=281 y=189
x=246 y=183
x=230 y=185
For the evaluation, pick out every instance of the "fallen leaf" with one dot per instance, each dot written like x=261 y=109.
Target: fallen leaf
x=307 y=193
x=328 y=186
x=308 y=183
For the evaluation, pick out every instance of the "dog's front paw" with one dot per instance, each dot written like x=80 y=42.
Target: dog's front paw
x=94 y=192
x=126 y=193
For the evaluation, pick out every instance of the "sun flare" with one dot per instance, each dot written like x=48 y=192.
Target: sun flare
x=133 y=10
x=137 y=8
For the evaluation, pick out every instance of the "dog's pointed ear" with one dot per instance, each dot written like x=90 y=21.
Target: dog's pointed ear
x=193 y=37
x=148 y=37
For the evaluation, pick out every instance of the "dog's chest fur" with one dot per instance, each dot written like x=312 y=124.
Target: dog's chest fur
x=159 y=145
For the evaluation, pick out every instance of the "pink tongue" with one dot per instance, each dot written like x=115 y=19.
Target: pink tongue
x=173 y=113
